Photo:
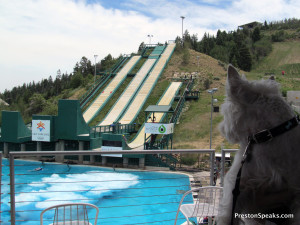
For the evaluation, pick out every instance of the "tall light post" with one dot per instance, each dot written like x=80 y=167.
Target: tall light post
x=150 y=36
x=182 y=17
x=211 y=91
x=95 y=70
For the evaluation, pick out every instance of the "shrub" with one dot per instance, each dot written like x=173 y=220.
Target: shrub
x=278 y=36
x=207 y=84
x=188 y=160
x=186 y=57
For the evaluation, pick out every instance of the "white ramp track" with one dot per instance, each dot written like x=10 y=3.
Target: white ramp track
x=145 y=90
x=165 y=100
x=127 y=95
x=93 y=109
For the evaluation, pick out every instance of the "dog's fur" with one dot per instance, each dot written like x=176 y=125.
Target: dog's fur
x=270 y=178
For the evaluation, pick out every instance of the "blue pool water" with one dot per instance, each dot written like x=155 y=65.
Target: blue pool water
x=123 y=196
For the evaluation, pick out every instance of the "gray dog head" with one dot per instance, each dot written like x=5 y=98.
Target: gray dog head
x=251 y=106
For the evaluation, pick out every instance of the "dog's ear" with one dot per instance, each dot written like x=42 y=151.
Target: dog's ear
x=233 y=79
x=238 y=87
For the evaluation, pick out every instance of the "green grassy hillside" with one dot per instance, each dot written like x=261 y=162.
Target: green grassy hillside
x=285 y=56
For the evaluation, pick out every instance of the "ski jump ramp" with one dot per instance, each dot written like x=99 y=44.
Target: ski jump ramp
x=103 y=97
x=142 y=95
x=133 y=98
x=166 y=99
x=119 y=107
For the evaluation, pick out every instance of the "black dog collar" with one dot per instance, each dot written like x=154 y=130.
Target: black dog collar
x=269 y=134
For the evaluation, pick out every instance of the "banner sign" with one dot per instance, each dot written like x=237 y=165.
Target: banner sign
x=111 y=148
x=41 y=130
x=159 y=128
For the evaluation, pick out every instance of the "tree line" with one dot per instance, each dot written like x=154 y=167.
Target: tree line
x=42 y=96
x=243 y=47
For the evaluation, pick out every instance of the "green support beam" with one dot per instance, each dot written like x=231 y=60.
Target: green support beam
x=70 y=124
x=13 y=128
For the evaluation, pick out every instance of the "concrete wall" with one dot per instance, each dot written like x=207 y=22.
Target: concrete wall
x=293 y=97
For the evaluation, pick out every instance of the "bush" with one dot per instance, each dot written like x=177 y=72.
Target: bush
x=206 y=84
x=262 y=48
x=37 y=104
x=188 y=160
x=77 y=80
x=185 y=57
x=278 y=36
x=284 y=93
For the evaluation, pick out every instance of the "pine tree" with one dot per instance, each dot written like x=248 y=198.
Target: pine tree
x=256 y=34
x=244 y=60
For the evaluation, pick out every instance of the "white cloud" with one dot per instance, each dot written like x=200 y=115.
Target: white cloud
x=38 y=37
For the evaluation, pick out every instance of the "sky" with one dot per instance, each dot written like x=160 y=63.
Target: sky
x=39 y=37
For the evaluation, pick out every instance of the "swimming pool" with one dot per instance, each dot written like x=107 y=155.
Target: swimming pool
x=123 y=196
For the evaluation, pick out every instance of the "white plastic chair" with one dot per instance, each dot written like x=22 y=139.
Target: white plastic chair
x=206 y=204
x=71 y=214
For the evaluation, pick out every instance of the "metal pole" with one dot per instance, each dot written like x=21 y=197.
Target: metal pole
x=129 y=152
x=95 y=70
x=212 y=98
x=212 y=91
x=12 y=189
x=212 y=168
x=222 y=167
x=182 y=17
x=211 y=155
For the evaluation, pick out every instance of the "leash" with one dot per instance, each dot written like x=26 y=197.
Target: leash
x=258 y=138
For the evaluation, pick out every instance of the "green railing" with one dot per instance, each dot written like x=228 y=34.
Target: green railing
x=96 y=131
x=181 y=102
x=160 y=160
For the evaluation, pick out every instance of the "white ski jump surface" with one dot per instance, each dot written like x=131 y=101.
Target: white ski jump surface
x=92 y=110
x=145 y=90
x=116 y=111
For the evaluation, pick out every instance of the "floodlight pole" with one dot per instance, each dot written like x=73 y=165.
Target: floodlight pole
x=95 y=70
x=182 y=17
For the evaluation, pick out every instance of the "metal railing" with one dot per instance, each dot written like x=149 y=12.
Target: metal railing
x=223 y=152
x=113 y=128
x=23 y=173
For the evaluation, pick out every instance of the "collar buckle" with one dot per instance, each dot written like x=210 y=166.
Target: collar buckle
x=262 y=136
